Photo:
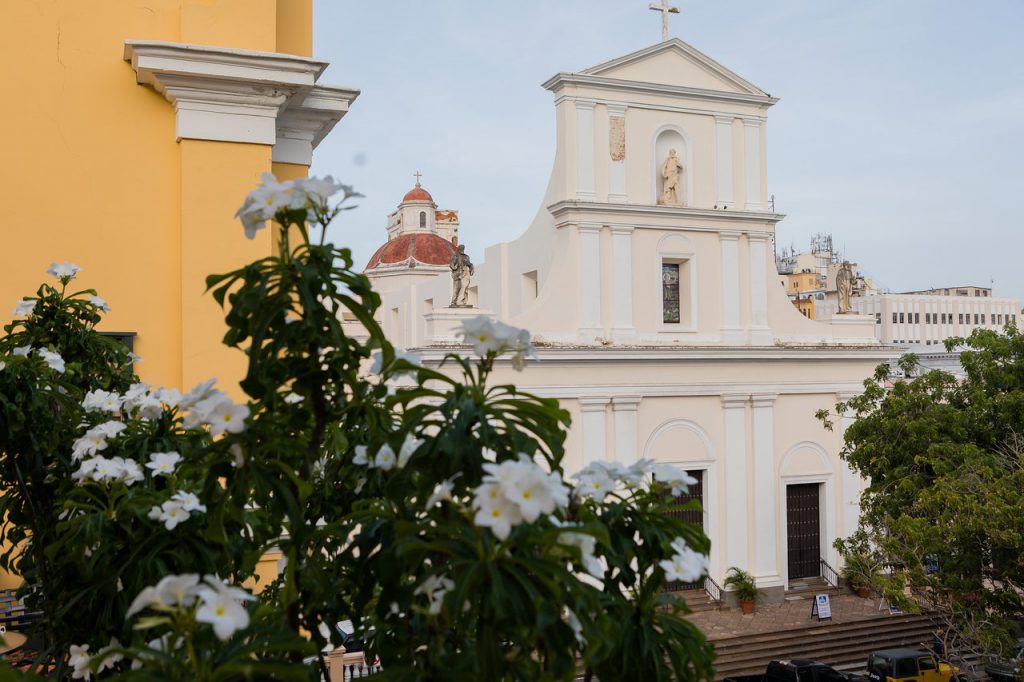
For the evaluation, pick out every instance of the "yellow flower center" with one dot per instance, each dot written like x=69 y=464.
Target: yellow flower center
x=526 y=494
x=219 y=611
x=496 y=513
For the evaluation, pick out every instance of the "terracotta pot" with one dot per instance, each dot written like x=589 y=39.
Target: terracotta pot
x=863 y=592
x=747 y=606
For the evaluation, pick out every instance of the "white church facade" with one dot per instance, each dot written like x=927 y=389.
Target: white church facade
x=657 y=313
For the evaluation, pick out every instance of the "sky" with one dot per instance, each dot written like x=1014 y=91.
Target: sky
x=899 y=129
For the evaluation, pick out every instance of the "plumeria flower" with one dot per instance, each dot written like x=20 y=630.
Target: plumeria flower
x=129 y=471
x=586 y=544
x=171 y=591
x=596 y=486
x=495 y=511
x=23 y=351
x=199 y=393
x=442 y=493
x=163 y=463
x=149 y=407
x=108 y=659
x=99 y=303
x=577 y=627
x=78 y=659
x=479 y=332
x=52 y=359
x=264 y=202
x=435 y=588
x=226 y=416
x=360 y=457
x=135 y=394
x=385 y=459
x=409 y=446
x=189 y=502
x=221 y=606
x=672 y=476
x=102 y=401
x=170 y=397
x=685 y=565
x=377 y=366
x=25 y=307
x=293 y=398
x=319 y=190
x=63 y=271
x=171 y=513
x=109 y=429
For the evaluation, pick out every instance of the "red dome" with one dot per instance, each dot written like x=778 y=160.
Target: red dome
x=426 y=248
x=417 y=193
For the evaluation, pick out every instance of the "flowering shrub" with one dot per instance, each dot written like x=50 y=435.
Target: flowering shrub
x=423 y=503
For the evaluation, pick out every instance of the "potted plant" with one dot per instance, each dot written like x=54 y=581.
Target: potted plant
x=744 y=587
x=860 y=572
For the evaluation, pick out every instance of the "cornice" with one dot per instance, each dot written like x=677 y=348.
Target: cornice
x=560 y=80
x=587 y=211
x=601 y=355
x=234 y=95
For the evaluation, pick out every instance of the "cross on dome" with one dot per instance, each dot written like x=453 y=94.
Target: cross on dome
x=665 y=10
x=418 y=176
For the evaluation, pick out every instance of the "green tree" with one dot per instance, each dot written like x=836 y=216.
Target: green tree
x=944 y=506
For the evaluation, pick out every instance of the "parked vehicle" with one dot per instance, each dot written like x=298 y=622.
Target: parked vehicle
x=798 y=670
x=1007 y=669
x=908 y=665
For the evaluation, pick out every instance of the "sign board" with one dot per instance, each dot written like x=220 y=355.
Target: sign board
x=822 y=607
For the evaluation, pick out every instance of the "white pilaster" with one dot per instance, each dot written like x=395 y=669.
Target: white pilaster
x=735 y=455
x=622 y=283
x=590 y=281
x=723 y=149
x=585 y=150
x=593 y=420
x=624 y=411
x=850 y=481
x=766 y=566
x=752 y=157
x=617 y=170
x=731 y=331
x=760 y=332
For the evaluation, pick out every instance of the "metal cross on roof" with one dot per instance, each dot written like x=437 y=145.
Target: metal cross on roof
x=418 y=176
x=665 y=10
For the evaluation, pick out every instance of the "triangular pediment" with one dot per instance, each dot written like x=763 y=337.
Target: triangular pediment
x=675 y=63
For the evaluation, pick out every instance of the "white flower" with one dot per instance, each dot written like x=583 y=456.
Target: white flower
x=170 y=397
x=577 y=627
x=673 y=477
x=171 y=512
x=360 y=458
x=63 y=270
x=221 y=607
x=134 y=395
x=264 y=202
x=99 y=303
x=685 y=565
x=409 y=446
x=293 y=398
x=319 y=190
x=25 y=307
x=108 y=429
x=494 y=510
x=189 y=502
x=53 y=360
x=385 y=459
x=597 y=486
x=226 y=416
x=92 y=442
x=479 y=332
x=108 y=659
x=23 y=351
x=200 y=392
x=442 y=493
x=148 y=407
x=172 y=590
x=435 y=588
x=586 y=544
x=78 y=659
x=163 y=463
x=103 y=401
x=528 y=486
x=378 y=361
x=238 y=457
x=128 y=470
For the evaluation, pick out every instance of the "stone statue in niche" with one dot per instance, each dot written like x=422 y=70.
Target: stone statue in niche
x=670 y=172
x=844 y=286
x=462 y=270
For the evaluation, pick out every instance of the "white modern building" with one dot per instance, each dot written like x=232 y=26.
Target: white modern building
x=661 y=327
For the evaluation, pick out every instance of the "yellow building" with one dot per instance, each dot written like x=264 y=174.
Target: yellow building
x=137 y=129
x=799 y=286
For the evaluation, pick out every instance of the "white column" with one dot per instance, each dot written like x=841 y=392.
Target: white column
x=595 y=444
x=734 y=407
x=723 y=154
x=731 y=332
x=590 y=281
x=617 y=151
x=752 y=156
x=766 y=566
x=760 y=333
x=851 y=482
x=622 y=283
x=585 y=150
x=624 y=412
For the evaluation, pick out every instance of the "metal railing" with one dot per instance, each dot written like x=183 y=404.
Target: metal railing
x=830 y=574
x=713 y=589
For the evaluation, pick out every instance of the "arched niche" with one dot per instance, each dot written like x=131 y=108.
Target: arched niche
x=679 y=441
x=806 y=458
x=666 y=138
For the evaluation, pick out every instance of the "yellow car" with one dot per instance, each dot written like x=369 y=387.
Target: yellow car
x=908 y=665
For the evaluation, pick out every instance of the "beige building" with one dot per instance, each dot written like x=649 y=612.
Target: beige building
x=657 y=313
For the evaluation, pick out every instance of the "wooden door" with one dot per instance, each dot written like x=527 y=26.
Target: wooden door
x=803 y=530
x=695 y=492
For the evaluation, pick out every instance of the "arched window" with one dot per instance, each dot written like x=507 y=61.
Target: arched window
x=423 y=218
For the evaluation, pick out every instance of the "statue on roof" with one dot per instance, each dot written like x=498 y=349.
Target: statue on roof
x=844 y=286
x=670 y=171
x=462 y=270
